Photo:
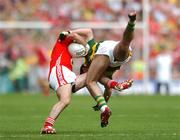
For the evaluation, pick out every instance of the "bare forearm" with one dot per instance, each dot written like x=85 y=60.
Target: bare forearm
x=86 y=32
x=79 y=39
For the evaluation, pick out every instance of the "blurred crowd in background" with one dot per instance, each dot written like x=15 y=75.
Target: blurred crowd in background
x=25 y=53
x=57 y=10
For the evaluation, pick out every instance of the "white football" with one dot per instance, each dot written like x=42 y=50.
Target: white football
x=76 y=50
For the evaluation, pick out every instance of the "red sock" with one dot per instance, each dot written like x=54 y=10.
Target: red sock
x=49 y=122
x=111 y=83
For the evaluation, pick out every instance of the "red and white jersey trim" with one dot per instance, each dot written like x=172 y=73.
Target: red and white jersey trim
x=60 y=75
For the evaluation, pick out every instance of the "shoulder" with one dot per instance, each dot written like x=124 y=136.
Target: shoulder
x=92 y=42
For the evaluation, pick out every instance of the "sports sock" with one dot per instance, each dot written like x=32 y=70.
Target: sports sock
x=49 y=122
x=101 y=103
x=130 y=26
x=111 y=84
x=128 y=34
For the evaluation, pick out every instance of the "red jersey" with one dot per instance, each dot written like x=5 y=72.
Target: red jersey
x=60 y=52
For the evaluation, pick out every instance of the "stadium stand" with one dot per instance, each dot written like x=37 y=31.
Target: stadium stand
x=164 y=30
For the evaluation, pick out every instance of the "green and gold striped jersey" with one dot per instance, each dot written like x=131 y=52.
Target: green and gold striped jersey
x=93 y=46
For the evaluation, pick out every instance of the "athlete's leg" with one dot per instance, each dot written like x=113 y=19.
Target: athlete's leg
x=80 y=82
x=112 y=84
x=107 y=95
x=121 y=51
x=96 y=70
x=64 y=96
x=94 y=74
x=107 y=82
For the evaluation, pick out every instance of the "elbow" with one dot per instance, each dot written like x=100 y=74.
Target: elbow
x=90 y=31
x=89 y=34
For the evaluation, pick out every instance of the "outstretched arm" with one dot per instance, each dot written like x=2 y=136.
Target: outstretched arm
x=87 y=33
x=78 y=38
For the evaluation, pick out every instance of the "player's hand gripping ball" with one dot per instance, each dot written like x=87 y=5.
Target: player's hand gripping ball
x=77 y=50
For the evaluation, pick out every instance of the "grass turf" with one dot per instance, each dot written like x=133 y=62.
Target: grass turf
x=133 y=118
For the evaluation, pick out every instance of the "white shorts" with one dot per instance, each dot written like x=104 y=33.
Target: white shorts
x=106 y=48
x=61 y=75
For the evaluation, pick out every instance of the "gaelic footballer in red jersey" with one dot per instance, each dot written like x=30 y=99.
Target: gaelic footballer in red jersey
x=60 y=79
x=60 y=72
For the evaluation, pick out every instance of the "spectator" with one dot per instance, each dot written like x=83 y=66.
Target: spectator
x=163 y=70
x=18 y=73
x=164 y=16
x=42 y=68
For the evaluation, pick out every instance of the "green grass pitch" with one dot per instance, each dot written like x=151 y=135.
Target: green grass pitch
x=133 y=118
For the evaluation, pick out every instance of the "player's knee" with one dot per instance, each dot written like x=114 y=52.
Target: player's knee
x=121 y=53
x=66 y=102
x=90 y=83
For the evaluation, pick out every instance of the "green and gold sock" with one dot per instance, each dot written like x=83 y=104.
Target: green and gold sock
x=130 y=26
x=101 y=102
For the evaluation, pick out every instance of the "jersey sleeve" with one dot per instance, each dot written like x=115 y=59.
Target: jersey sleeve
x=91 y=42
x=93 y=46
